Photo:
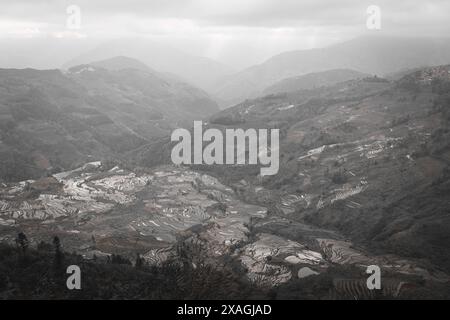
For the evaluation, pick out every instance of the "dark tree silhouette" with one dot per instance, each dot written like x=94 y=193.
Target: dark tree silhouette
x=58 y=254
x=57 y=244
x=22 y=241
x=139 y=261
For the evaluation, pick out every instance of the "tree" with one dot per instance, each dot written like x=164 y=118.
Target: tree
x=57 y=244
x=58 y=254
x=118 y=259
x=22 y=241
x=94 y=242
x=139 y=261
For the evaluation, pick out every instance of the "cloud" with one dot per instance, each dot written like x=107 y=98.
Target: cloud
x=234 y=31
x=256 y=13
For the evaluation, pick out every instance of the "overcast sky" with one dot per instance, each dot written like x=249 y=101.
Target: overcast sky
x=236 y=32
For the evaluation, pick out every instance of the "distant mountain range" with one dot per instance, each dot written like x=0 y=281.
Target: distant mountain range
x=50 y=119
x=314 y=80
x=376 y=55
x=199 y=71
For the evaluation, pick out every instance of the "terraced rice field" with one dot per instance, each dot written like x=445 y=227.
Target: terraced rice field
x=99 y=212
x=268 y=259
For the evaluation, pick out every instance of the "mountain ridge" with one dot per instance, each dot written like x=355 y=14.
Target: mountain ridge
x=368 y=54
x=314 y=79
x=52 y=119
x=199 y=71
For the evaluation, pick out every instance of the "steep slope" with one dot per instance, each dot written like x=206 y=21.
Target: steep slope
x=134 y=88
x=373 y=55
x=50 y=120
x=369 y=158
x=47 y=121
x=314 y=80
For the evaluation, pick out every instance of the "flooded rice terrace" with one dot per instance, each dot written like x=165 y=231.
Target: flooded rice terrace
x=98 y=212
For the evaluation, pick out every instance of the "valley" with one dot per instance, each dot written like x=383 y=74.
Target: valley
x=208 y=158
x=363 y=178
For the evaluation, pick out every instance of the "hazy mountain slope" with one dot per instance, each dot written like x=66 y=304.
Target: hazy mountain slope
x=41 y=52
x=129 y=90
x=314 y=80
x=200 y=71
x=373 y=55
x=50 y=119
x=369 y=158
x=120 y=63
